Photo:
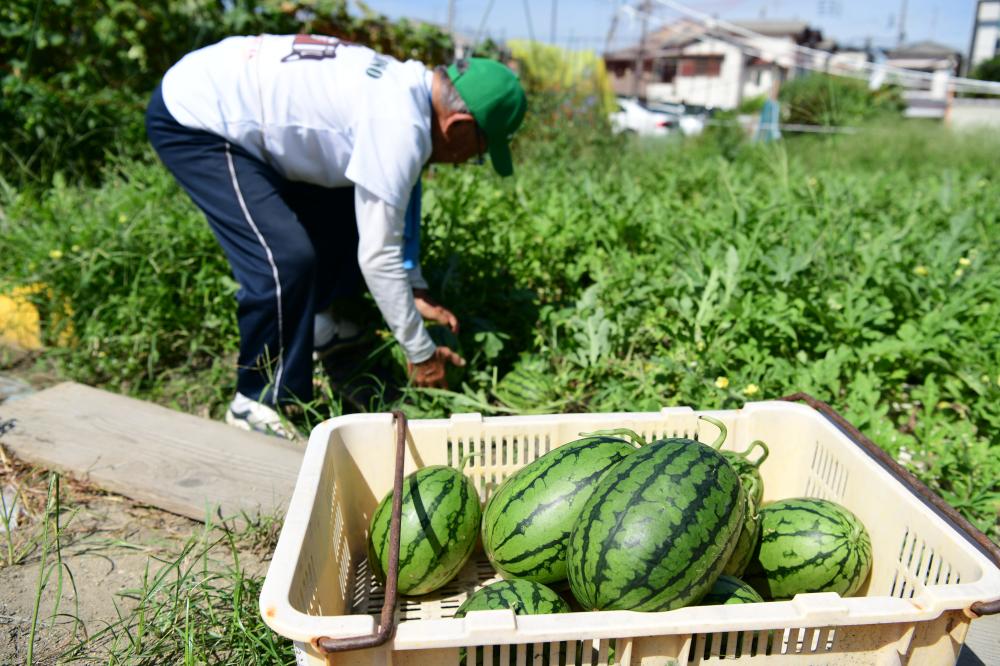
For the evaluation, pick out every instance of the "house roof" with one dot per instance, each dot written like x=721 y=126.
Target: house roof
x=774 y=28
x=922 y=49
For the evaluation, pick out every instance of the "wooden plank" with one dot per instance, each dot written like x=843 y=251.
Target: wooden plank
x=168 y=459
x=982 y=644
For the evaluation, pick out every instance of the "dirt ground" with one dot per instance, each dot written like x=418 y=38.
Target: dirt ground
x=106 y=545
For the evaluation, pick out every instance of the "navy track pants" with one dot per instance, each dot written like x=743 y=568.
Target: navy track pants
x=292 y=247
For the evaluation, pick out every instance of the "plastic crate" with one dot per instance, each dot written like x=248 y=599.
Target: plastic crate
x=927 y=570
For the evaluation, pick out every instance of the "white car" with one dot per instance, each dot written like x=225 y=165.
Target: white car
x=689 y=123
x=631 y=116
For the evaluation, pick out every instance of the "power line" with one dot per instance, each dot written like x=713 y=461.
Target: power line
x=527 y=17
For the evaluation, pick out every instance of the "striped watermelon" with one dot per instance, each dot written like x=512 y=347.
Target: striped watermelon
x=809 y=545
x=527 y=521
x=524 y=597
x=657 y=530
x=439 y=524
x=730 y=590
x=528 y=389
x=746 y=542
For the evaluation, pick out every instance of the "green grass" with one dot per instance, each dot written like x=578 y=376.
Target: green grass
x=862 y=269
x=196 y=603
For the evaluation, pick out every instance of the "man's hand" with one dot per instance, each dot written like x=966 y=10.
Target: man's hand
x=431 y=373
x=432 y=310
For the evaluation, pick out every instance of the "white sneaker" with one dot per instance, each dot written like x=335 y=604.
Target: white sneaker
x=247 y=414
x=332 y=334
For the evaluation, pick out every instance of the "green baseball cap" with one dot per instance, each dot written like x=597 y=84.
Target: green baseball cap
x=496 y=100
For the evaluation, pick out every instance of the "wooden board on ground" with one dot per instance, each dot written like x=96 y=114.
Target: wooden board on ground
x=174 y=461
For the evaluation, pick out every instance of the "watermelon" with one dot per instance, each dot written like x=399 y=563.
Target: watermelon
x=528 y=388
x=746 y=542
x=440 y=521
x=527 y=521
x=524 y=597
x=657 y=529
x=809 y=545
x=730 y=590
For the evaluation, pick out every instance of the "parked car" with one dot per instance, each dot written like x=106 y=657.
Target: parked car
x=690 y=120
x=631 y=116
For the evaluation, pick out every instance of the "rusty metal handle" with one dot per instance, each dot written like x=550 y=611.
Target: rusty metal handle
x=915 y=485
x=387 y=621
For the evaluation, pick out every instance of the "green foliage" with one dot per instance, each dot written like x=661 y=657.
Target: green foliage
x=988 y=70
x=752 y=105
x=77 y=75
x=862 y=269
x=819 y=99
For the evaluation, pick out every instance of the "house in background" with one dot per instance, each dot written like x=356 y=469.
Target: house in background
x=941 y=61
x=985 y=33
x=925 y=56
x=686 y=62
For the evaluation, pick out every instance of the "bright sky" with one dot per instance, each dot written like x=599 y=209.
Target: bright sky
x=585 y=23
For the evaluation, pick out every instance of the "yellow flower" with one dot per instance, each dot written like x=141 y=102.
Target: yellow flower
x=959 y=272
x=964 y=261
x=722 y=382
x=75 y=248
x=55 y=254
x=751 y=389
x=920 y=270
x=700 y=345
x=121 y=218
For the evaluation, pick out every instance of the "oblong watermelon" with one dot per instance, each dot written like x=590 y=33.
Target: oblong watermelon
x=809 y=545
x=524 y=597
x=657 y=530
x=729 y=590
x=440 y=522
x=527 y=521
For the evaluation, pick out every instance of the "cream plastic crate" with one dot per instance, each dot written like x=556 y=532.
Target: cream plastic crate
x=914 y=608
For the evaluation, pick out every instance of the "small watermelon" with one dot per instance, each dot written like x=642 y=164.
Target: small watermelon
x=729 y=590
x=440 y=522
x=809 y=545
x=527 y=520
x=524 y=597
x=527 y=388
x=657 y=529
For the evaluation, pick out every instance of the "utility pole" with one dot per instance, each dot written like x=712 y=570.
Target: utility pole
x=902 y=24
x=451 y=18
x=552 y=23
x=639 y=56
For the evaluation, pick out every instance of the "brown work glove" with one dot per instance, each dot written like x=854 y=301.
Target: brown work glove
x=431 y=373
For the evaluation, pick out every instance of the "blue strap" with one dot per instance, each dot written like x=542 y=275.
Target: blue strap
x=411 y=229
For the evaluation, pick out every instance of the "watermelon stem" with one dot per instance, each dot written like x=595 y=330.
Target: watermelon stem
x=717 y=444
x=621 y=433
x=755 y=443
x=464 y=459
